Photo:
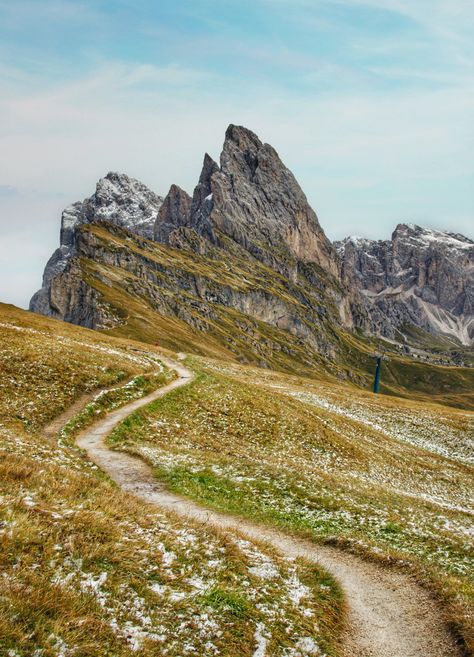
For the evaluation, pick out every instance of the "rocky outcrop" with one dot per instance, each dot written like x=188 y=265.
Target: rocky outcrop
x=420 y=277
x=255 y=200
x=248 y=245
x=118 y=200
x=250 y=202
x=173 y=214
x=244 y=259
x=70 y=298
x=203 y=203
x=41 y=300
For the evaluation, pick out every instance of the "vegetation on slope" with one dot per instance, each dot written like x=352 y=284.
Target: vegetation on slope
x=46 y=365
x=407 y=377
x=89 y=571
x=111 y=398
x=388 y=477
x=189 y=302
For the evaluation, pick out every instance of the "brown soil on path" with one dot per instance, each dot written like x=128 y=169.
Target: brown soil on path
x=389 y=614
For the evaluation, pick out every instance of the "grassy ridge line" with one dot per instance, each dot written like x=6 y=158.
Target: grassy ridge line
x=91 y=572
x=332 y=463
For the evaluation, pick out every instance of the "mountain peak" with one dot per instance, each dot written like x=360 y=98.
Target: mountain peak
x=173 y=213
x=118 y=199
x=256 y=201
x=411 y=229
x=429 y=236
x=242 y=137
x=408 y=227
x=209 y=166
x=240 y=153
x=421 y=277
x=115 y=176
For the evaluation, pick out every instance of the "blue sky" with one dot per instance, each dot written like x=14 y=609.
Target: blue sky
x=369 y=102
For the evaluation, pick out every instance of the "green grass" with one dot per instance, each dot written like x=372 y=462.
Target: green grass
x=228 y=602
x=88 y=570
x=386 y=477
x=109 y=399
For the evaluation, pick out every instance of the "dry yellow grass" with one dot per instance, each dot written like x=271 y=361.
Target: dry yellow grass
x=387 y=477
x=87 y=570
x=47 y=364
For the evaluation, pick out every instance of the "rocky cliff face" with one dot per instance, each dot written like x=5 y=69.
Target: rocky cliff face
x=255 y=200
x=173 y=214
x=245 y=251
x=245 y=262
x=118 y=200
x=420 y=277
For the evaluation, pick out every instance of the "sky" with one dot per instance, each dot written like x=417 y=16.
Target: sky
x=369 y=102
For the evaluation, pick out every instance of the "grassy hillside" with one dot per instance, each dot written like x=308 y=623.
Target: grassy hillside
x=408 y=377
x=180 y=300
x=387 y=477
x=89 y=571
x=170 y=296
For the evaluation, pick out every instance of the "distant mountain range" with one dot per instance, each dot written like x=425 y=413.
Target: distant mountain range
x=420 y=277
x=244 y=266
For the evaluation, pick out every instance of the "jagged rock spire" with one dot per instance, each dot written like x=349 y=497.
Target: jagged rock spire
x=203 y=202
x=257 y=202
x=174 y=212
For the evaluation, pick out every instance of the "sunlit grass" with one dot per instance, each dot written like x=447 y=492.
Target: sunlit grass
x=385 y=477
x=88 y=570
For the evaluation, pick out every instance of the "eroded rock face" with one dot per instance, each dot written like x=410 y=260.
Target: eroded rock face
x=174 y=213
x=203 y=202
x=41 y=301
x=244 y=212
x=249 y=210
x=70 y=298
x=195 y=296
x=118 y=200
x=255 y=200
x=421 y=276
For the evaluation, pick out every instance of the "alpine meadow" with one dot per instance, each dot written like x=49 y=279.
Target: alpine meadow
x=230 y=427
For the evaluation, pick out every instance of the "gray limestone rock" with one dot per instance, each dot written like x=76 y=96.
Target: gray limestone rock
x=421 y=276
x=251 y=207
x=174 y=213
x=118 y=200
x=255 y=200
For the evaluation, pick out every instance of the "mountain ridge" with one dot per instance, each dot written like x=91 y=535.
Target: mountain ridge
x=244 y=260
x=421 y=276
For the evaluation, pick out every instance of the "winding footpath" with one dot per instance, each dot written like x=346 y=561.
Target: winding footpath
x=389 y=614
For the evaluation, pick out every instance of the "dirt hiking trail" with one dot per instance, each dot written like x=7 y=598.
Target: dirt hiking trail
x=389 y=614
